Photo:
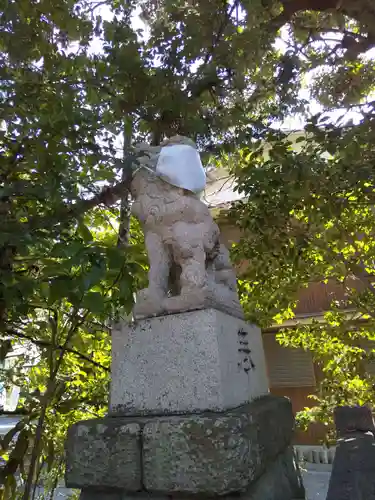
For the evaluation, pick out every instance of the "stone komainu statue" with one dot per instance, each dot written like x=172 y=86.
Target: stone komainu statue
x=189 y=268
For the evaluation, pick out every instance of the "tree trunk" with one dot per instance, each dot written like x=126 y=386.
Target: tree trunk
x=124 y=227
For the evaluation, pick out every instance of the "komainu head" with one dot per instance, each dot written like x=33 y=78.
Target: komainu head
x=178 y=139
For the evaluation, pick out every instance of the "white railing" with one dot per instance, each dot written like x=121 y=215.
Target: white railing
x=315 y=454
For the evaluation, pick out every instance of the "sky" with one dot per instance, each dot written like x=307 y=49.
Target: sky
x=297 y=123
x=107 y=15
x=290 y=123
x=96 y=47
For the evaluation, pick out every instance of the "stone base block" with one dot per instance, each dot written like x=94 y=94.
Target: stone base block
x=281 y=480
x=104 y=453
x=215 y=454
x=243 y=451
x=190 y=362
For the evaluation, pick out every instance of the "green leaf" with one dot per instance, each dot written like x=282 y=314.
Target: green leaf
x=67 y=406
x=94 y=302
x=59 y=288
x=116 y=257
x=85 y=232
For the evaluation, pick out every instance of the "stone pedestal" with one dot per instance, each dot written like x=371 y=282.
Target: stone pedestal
x=189 y=362
x=190 y=416
x=242 y=451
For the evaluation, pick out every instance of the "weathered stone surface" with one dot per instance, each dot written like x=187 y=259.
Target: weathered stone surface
x=293 y=473
x=115 y=494
x=281 y=481
x=104 y=453
x=190 y=362
x=215 y=454
x=353 y=418
x=101 y=494
x=353 y=471
x=199 y=456
x=244 y=450
x=272 y=426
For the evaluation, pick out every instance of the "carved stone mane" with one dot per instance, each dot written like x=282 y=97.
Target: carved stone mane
x=158 y=202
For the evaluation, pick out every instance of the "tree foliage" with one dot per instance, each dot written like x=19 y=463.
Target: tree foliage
x=64 y=277
x=309 y=212
x=310 y=218
x=210 y=70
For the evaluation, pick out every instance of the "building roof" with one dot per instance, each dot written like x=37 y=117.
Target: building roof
x=221 y=185
x=220 y=189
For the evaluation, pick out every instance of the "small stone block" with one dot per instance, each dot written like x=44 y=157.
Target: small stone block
x=271 y=422
x=215 y=454
x=104 y=453
x=189 y=362
x=353 y=470
x=353 y=419
x=281 y=481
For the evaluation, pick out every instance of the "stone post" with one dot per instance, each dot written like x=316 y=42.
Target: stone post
x=190 y=415
x=353 y=471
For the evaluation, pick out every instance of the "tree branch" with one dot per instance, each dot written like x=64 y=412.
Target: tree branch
x=107 y=196
x=291 y=7
x=360 y=10
x=45 y=343
x=196 y=87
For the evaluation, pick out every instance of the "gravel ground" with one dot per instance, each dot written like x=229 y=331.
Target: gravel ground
x=316 y=483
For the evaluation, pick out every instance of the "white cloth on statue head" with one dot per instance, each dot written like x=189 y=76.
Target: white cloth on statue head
x=181 y=166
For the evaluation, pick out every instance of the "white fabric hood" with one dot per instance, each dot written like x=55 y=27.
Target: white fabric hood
x=181 y=166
